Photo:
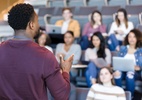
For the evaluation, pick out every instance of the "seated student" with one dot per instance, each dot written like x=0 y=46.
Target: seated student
x=105 y=89
x=131 y=49
x=119 y=29
x=67 y=49
x=93 y=26
x=97 y=50
x=68 y=23
x=41 y=39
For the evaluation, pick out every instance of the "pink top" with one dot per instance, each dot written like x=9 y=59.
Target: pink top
x=88 y=29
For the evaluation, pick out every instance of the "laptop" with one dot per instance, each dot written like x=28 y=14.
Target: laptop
x=52 y=29
x=123 y=64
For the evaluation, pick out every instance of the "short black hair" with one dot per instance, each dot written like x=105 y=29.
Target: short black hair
x=70 y=32
x=20 y=15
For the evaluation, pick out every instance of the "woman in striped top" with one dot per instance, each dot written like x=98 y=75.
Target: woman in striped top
x=105 y=88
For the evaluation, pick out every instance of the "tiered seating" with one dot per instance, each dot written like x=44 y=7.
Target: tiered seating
x=98 y=3
x=135 y=2
x=139 y=26
x=57 y=3
x=82 y=8
x=133 y=13
x=5 y=30
x=121 y=3
x=82 y=15
x=107 y=12
x=45 y=11
x=76 y=3
x=37 y=2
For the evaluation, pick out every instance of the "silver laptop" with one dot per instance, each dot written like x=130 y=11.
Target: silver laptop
x=52 y=29
x=123 y=64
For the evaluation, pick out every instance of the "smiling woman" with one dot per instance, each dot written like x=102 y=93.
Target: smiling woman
x=132 y=49
x=97 y=50
x=105 y=89
x=68 y=48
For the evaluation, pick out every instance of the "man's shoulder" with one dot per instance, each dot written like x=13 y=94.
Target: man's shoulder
x=39 y=49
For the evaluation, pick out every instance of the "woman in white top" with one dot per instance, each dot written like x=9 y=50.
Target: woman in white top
x=105 y=88
x=41 y=39
x=97 y=50
x=121 y=26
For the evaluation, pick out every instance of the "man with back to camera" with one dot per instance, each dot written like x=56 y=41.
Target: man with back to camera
x=26 y=69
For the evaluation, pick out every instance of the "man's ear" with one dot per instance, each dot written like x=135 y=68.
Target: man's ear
x=31 y=25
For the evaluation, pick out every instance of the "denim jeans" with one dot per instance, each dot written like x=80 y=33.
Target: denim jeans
x=113 y=42
x=84 y=42
x=91 y=72
x=130 y=80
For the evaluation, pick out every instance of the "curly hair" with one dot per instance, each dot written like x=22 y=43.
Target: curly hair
x=20 y=15
x=138 y=36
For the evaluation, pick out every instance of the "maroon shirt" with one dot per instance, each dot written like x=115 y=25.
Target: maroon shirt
x=27 y=70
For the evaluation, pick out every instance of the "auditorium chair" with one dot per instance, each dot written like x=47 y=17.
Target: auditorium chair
x=5 y=30
x=57 y=3
x=121 y=3
x=36 y=2
x=82 y=15
x=76 y=3
x=107 y=15
x=135 y=2
x=98 y=3
x=133 y=12
x=139 y=26
x=44 y=11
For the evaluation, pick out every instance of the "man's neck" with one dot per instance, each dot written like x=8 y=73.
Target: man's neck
x=22 y=35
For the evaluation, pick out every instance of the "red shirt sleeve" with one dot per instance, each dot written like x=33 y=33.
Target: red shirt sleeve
x=57 y=83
